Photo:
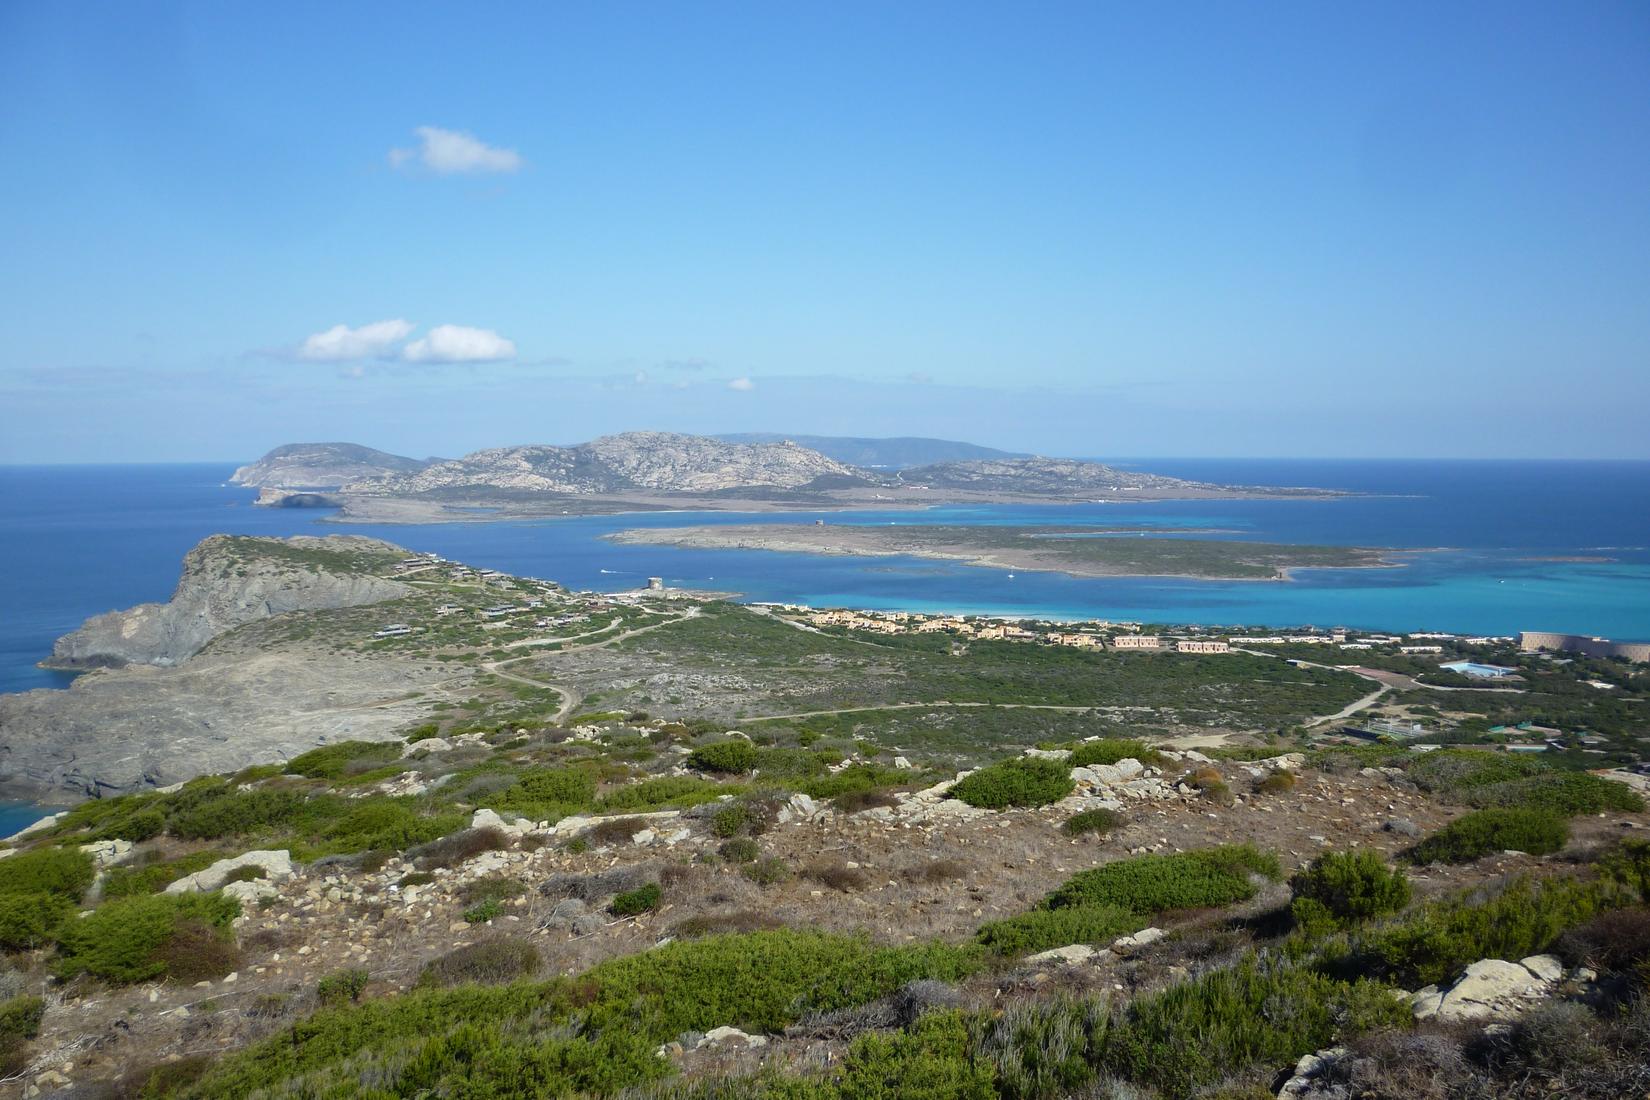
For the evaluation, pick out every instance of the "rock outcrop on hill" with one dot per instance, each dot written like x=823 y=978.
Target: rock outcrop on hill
x=661 y=462
x=322 y=466
x=226 y=583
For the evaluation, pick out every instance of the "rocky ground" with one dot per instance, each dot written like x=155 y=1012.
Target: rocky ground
x=920 y=868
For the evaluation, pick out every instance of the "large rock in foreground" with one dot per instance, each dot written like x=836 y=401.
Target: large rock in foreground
x=227 y=582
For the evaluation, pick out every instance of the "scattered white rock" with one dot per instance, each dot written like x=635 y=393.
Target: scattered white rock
x=277 y=867
x=107 y=853
x=1071 y=955
x=1139 y=939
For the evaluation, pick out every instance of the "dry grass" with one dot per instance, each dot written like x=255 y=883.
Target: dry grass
x=837 y=875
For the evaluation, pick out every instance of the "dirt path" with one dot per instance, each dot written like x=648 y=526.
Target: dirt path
x=571 y=698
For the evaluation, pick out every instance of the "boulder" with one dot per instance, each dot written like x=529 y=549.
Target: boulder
x=1139 y=939
x=489 y=819
x=1491 y=989
x=107 y=853
x=1072 y=955
x=277 y=867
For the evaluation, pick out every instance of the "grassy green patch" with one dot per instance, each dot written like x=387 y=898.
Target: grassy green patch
x=1023 y=781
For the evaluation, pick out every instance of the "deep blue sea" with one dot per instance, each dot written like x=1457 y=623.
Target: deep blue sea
x=77 y=540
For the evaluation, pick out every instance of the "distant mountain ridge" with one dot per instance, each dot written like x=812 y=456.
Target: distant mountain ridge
x=643 y=466
x=629 y=462
x=896 y=452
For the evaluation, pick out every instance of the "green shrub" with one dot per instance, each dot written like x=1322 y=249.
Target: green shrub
x=1566 y=793
x=741 y=849
x=1343 y=888
x=416 y=878
x=1109 y=750
x=233 y=813
x=1092 y=821
x=933 y=1060
x=28 y=921
x=126 y=940
x=1024 y=781
x=1042 y=929
x=1259 y=1011
x=662 y=793
x=727 y=757
x=521 y=1039
x=136 y=827
x=1484 y=831
x=333 y=761
x=490 y=962
x=152 y=878
x=730 y=820
x=483 y=911
x=643 y=899
x=1156 y=883
x=66 y=872
x=382 y=823
x=342 y=987
x=548 y=793
x=768 y=872
x=19 y=1022
x=1432 y=946
x=493 y=888
x=1278 y=782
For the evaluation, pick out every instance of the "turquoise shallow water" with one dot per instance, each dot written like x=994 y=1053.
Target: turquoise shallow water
x=75 y=541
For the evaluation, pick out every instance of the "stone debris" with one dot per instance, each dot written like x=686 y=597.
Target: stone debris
x=1071 y=955
x=107 y=853
x=1309 y=1069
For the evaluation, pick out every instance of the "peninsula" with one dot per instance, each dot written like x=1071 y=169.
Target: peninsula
x=1076 y=551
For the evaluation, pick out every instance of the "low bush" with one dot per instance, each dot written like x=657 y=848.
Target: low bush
x=741 y=849
x=197 y=951
x=1566 y=793
x=547 y=794
x=718 y=924
x=152 y=878
x=643 y=899
x=768 y=872
x=483 y=911
x=249 y=873
x=333 y=761
x=127 y=940
x=726 y=757
x=1092 y=821
x=1481 y=832
x=1277 y=782
x=523 y=1039
x=490 y=962
x=853 y=802
x=1042 y=929
x=1613 y=942
x=455 y=848
x=492 y=888
x=1259 y=1011
x=1339 y=889
x=1153 y=883
x=615 y=830
x=28 y=921
x=19 y=1022
x=836 y=874
x=342 y=987
x=416 y=878
x=66 y=872
x=232 y=813
x=1109 y=750
x=1434 y=944
x=663 y=793
x=1024 y=781
x=730 y=820
x=937 y=870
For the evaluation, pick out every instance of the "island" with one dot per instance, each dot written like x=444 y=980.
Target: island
x=658 y=471
x=1076 y=551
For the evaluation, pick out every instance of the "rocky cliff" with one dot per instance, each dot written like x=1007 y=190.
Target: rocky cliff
x=632 y=462
x=227 y=582
x=322 y=466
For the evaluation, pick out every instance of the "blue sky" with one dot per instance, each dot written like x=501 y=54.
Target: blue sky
x=1100 y=229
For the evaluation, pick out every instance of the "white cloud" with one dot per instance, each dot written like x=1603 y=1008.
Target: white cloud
x=743 y=385
x=459 y=344
x=451 y=152
x=340 y=343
